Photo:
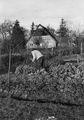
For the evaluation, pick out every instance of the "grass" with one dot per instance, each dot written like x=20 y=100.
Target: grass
x=11 y=109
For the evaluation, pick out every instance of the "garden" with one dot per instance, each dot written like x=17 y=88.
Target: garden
x=56 y=93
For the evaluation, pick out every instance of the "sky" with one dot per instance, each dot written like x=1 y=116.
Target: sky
x=45 y=12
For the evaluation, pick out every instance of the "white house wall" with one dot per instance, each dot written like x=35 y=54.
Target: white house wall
x=49 y=41
x=31 y=44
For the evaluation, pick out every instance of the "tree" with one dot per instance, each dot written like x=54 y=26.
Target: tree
x=6 y=32
x=5 y=46
x=51 y=30
x=6 y=29
x=63 y=30
x=18 y=37
x=26 y=33
x=32 y=28
x=63 y=34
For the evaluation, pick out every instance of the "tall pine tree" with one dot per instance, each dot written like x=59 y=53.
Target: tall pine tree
x=32 y=28
x=18 y=37
x=63 y=33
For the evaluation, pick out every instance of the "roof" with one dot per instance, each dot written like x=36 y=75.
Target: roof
x=40 y=32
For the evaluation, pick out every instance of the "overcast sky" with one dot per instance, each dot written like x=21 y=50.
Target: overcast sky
x=43 y=11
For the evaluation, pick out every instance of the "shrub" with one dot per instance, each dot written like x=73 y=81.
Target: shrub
x=15 y=61
x=63 y=82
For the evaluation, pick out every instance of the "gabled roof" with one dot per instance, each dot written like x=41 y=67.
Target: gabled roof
x=43 y=31
x=40 y=32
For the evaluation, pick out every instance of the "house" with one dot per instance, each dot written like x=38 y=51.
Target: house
x=41 y=38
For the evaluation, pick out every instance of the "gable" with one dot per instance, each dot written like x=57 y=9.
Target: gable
x=49 y=41
x=47 y=37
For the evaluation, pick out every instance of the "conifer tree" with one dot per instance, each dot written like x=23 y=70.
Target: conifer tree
x=18 y=37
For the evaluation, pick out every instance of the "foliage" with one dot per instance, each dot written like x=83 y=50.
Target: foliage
x=12 y=33
x=51 y=30
x=63 y=34
x=5 y=46
x=65 y=80
x=62 y=84
x=11 y=109
x=54 y=94
x=25 y=69
x=15 y=61
x=63 y=30
x=32 y=28
x=18 y=37
x=6 y=29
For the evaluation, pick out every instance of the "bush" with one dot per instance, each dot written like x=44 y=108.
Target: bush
x=25 y=70
x=15 y=61
x=63 y=83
